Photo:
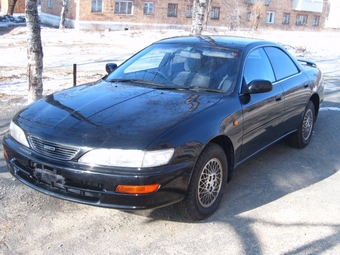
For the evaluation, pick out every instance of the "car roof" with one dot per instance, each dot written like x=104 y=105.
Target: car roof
x=233 y=42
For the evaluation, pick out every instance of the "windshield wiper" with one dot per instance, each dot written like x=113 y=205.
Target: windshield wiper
x=126 y=80
x=168 y=88
x=204 y=89
x=190 y=88
x=137 y=81
x=162 y=87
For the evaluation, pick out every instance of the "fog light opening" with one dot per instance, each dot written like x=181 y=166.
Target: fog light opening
x=137 y=189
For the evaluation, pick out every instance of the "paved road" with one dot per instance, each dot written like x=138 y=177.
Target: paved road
x=283 y=201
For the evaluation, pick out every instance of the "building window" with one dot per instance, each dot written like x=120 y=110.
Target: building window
x=123 y=7
x=316 y=21
x=172 y=10
x=97 y=6
x=286 y=17
x=215 y=13
x=50 y=3
x=149 y=8
x=188 y=12
x=270 y=17
x=301 y=20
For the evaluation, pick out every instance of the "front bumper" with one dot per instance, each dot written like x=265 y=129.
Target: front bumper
x=72 y=181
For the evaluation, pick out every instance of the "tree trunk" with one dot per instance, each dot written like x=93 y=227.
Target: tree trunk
x=11 y=5
x=34 y=52
x=199 y=16
x=63 y=14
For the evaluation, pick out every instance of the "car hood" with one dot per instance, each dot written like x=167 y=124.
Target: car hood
x=104 y=114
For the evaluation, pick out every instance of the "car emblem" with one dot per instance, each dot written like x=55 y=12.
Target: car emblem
x=49 y=148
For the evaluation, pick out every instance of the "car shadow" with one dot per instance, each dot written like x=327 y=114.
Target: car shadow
x=275 y=172
x=270 y=175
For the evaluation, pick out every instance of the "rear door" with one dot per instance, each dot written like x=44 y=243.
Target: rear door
x=262 y=113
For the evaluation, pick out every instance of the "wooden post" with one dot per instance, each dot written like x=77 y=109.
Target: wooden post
x=74 y=75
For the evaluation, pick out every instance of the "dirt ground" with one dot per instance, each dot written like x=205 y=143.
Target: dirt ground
x=282 y=201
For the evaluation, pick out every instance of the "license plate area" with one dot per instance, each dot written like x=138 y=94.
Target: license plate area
x=47 y=175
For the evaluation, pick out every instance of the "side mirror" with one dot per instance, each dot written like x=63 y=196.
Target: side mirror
x=110 y=67
x=259 y=86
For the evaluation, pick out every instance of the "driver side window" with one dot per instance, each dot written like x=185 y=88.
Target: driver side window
x=258 y=67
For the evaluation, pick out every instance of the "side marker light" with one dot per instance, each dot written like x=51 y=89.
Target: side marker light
x=5 y=154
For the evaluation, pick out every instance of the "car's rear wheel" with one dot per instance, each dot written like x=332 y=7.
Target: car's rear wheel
x=207 y=184
x=301 y=138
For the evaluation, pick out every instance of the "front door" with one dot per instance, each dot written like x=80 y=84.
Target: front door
x=263 y=113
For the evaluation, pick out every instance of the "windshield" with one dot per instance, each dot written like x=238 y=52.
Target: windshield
x=181 y=66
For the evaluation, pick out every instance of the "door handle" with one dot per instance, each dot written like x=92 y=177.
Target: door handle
x=278 y=97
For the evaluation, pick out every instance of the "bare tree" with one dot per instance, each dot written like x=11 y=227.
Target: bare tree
x=63 y=14
x=257 y=14
x=199 y=16
x=11 y=5
x=34 y=52
x=233 y=13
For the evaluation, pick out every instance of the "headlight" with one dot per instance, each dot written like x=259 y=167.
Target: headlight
x=127 y=158
x=18 y=134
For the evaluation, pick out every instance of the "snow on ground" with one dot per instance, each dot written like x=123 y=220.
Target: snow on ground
x=91 y=50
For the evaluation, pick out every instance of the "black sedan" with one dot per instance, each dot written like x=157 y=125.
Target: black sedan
x=167 y=126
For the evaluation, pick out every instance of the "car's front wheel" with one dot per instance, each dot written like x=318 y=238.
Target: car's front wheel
x=301 y=138
x=207 y=184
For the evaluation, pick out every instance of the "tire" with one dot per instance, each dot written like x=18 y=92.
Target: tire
x=207 y=184
x=301 y=138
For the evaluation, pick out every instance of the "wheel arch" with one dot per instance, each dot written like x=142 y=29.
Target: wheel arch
x=316 y=102
x=228 y=149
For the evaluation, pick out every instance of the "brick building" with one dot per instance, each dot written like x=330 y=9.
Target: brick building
x=223 y=14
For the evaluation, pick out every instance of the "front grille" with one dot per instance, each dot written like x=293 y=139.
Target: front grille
x=53 y=150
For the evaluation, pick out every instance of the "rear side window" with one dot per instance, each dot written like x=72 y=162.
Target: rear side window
x=258 y=67
x=282 y=64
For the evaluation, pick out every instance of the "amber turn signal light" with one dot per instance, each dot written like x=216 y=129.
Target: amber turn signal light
x=138 y=189
x=5 y=154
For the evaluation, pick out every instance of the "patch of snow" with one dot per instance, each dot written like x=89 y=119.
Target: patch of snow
x=330 y=109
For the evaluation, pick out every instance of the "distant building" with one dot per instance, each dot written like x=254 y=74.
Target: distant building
x=230 y=14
